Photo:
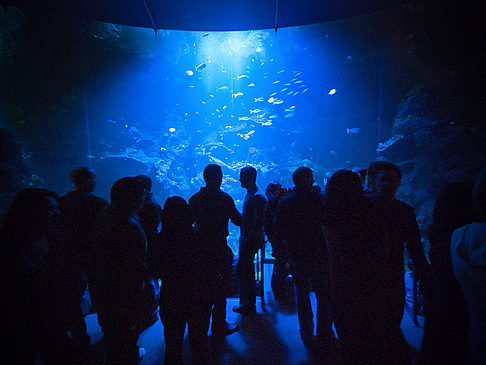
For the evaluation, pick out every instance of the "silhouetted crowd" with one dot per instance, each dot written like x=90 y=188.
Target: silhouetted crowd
x=138 y=261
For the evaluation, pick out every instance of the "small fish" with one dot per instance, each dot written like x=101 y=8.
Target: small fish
x=305 y=90
x=237 y=94
x=205 y=35
x=332 y=91
x=273 y=94
x=271 y=100
x=242 y=76
x=298 y=82
x=189 y=73
x=250 y=132
x=289 y=115
x=259 y=99
x=273 y=116
x=172 y=130
x=201 y=66
x=279 y=72
x=255 y=111
x=267 y=123
x=250 y=85
x=211 y=95
x=275 y=82
x=223 y=88
x=244 y=118
x=278 y=101
x=284 y=89
x=352 y=130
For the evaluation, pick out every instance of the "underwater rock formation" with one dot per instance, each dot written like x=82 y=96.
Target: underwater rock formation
x=14 y=175
x=432 y=150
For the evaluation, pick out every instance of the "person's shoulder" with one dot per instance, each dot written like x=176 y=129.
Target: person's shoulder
x=97 y=199
x=403 y=207
x=260 y=194
x=224 y=194
x=69 y=197
x=196 y=196
x=287 y=199
x=457 y=235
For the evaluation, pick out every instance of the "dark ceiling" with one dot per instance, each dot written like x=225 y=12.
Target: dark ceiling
x=206 y=15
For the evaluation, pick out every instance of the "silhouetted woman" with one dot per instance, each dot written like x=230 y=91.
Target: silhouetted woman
x=353 y=250
x=446 y=316
x=186 y=283
x=33 y=311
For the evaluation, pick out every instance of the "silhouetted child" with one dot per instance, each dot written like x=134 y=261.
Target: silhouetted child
x=150 y=219
x=275 y=193
x=299 y=223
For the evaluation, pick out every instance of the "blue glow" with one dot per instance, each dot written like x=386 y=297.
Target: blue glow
x=185 y=99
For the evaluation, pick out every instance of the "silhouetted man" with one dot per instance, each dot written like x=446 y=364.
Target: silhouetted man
x=212 y=209
x=119 y=271
x=150 y=219
x=252 y=238
x=299 y=222
x=79 y=209
x=151 y=211
x=398 y=226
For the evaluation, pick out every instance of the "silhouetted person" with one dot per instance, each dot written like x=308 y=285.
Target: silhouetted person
x=34 y=313
x=468 y=256
x=252 y=238
x=398 y=228
x=446 y=316
x=299 y=223
x=353 y=248
x=79 y=209
x=212 y=210
x=150 y=219
x=151 y=211
x=119 y=271
x=274 y=194
x=188 y=283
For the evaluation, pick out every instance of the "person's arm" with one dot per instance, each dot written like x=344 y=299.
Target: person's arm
x=414 y=243
x=259 y=209
x=234 y=215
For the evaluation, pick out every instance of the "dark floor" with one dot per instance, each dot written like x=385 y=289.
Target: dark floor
x=271 y=337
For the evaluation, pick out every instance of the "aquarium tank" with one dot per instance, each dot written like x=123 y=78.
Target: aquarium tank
x=398 y=84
